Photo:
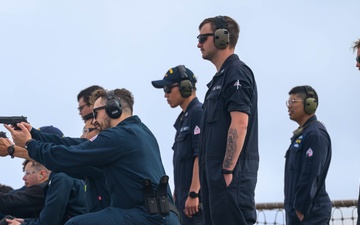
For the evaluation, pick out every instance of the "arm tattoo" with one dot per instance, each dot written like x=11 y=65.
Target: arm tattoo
x=230 y=147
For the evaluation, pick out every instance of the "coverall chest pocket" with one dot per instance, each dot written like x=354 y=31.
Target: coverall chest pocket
x=294 y=158
x=181 y=148
x=213 y=107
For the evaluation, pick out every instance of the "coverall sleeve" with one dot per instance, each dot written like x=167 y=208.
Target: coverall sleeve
x=195 y=120
x=53 y=138
x=314 y=155
x=102 y=150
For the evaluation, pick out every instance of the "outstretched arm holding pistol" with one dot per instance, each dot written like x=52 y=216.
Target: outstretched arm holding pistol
x=6 y=144
x=20 y=133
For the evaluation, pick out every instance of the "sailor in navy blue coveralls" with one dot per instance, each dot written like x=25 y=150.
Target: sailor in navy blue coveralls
x=64 y=199
x=229 y=157
x=187 y=135
x=307 y=163
x=180 y=90
x=126 y=151
x=232 y=89
x=97 y=197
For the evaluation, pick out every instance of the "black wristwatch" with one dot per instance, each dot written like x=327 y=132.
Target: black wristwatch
x=193 y=194
x=225 y=171
x=11 y=150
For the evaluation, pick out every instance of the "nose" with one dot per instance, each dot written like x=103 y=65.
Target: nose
x=199 y=45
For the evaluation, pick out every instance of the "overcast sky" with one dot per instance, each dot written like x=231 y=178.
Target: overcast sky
x=50 y=50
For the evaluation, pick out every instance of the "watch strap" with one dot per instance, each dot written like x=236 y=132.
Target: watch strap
x=193 y=194
x=225 y=171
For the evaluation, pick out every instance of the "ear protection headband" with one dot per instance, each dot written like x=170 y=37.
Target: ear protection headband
x=310 y=103
x=185 y=85
x=221 y=35
x=113 y=105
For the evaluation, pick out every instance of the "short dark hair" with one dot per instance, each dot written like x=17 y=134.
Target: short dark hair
x=86 y=93
x=125 y=96
x=232 y=26
x=34 y=164
x=303 y=92
x=356 y=45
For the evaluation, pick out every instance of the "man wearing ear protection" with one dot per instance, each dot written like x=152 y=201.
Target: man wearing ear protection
x=307 y=162
x=179 y=90
x=97 y=197
x=85 y=108
x=125 y=150
x=229 y=157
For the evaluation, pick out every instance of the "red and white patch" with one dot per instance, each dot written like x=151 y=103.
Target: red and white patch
x=197 y=130
x=93 y=138
x=309 y=152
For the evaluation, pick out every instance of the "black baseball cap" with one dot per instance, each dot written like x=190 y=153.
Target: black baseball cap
x=172 y=76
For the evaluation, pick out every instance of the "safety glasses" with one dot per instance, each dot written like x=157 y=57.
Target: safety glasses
x=167 y=89
x=203 y=37
x=95 y=110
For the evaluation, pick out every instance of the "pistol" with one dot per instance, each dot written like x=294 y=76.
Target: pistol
x=3 y=220
x=2 y=134
x=13 y=120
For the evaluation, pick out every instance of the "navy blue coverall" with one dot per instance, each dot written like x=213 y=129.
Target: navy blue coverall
x=233 y=88
x=186 y=148
x=64 y=199
x=128 y=154
x=306 y=166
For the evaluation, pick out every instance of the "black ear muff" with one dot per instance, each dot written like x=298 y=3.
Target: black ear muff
x=221 y=34
x=310 y=103
x=185 y=85
x=113 y=105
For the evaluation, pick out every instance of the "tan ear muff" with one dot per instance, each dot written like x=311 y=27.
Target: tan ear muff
x=221 y=35
x=310 y=103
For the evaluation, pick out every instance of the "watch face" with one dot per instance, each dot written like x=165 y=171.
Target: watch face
x=193 y=194
x=11 y=150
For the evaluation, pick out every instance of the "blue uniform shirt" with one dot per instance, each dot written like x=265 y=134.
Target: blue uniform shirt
x=128 y=154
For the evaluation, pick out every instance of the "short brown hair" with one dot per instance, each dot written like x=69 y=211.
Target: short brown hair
x=35 y=165
x=232 y=27
x=125 y=96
